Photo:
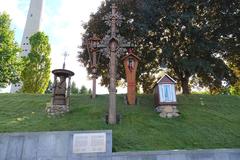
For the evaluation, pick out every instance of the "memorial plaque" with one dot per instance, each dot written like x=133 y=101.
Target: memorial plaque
x=89 y=143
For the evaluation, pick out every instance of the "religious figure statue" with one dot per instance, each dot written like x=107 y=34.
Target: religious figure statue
x=130 y=64
x=61 y=86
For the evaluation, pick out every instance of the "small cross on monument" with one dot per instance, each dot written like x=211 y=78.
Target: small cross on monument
x=65 y=56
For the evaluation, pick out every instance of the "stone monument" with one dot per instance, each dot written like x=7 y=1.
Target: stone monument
x=60 y=101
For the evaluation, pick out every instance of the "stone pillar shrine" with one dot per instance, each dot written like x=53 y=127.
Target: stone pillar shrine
x=60 y=101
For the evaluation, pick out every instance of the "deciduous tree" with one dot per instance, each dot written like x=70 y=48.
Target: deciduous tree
x=74 y=89
x=83 y=90
x=10 y=64
x=193 y=39
x=36 y=73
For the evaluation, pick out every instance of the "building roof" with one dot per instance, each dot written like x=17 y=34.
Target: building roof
x=166 y=75
x=131 y=54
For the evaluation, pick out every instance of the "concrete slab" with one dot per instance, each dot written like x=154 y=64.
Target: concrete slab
x=234 y=156
x=15 y=148
x=30 y=148
x=59 y=146
x=3 y=146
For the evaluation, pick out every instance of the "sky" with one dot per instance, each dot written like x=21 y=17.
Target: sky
x=62 y=21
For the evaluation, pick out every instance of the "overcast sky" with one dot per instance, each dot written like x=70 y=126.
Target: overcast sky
x=62 y=21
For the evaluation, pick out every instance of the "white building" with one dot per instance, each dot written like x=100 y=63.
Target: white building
x=31 y=27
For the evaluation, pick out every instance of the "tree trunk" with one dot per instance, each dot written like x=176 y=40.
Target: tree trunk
x=185 y=86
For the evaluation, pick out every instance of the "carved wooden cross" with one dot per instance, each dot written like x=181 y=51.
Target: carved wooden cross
x=111 y=46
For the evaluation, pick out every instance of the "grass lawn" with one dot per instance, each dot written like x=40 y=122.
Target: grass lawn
x=205 y=121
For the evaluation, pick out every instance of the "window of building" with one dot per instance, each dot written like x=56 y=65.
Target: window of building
x=167 y=92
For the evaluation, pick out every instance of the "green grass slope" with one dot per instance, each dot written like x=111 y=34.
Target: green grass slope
x=205 y=121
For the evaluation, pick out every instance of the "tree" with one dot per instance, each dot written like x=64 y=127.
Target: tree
x=49 y=87
x=229 y=37
x=97 y=25
x=83 y=90
x=235 y=88
x=190 y=38
x=10 y=64
x=190 y=47
x=89 y=91
x=36 y=74
x=74 y=89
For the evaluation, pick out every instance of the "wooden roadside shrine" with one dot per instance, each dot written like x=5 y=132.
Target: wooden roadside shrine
x=165 y=97
x=164 y=91
x=130 y=64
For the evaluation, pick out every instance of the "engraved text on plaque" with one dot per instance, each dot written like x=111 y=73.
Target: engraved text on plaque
x=89 y=142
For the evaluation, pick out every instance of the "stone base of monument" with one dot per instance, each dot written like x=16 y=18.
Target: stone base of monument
x=119 y=117
x=56 y=110
x=168 y=111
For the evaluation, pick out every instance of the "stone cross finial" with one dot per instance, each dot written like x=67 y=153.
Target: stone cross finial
x=65 y=56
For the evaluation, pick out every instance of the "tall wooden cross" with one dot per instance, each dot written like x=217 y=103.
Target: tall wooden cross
x=113 y=45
